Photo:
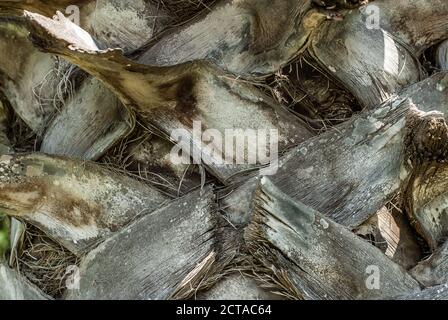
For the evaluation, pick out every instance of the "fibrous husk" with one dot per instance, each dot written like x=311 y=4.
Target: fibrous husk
x=174 y=98
x=312 y=94
x=5 y=144
x=377 y=46
x=317 y=258
x=352 y=170
x=180 y=11
x=102 y=120
x=169 y=253
x=433 y=271
x=75 y=203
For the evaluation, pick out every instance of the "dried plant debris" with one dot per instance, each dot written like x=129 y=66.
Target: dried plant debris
x=433 y=271
x=349 y=172
x=427 y=202
x=5 y=143
x=14 y=286
x=319 y=258
x=178 y=12
x=170 y=98
x=46 y=263
x=75 y=203
x=146 y=261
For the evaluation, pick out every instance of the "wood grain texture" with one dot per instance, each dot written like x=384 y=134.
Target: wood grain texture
x=172 y=247
x=360 y=58
x=245 y=37
x=433 y=271
x=390 y=231
x=125 y=24
x=237 y=287
x=352 y=171
x=442 y=55
x=378 y=46
x=316 y=257
x=26 y=75
x=173 y=98
x=75 y=203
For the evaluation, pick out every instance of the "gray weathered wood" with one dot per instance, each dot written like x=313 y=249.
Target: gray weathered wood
x=75 y=203
x=378 y=46
x=351 y=171
x=427 y=201
x=25 y=73
x=434 y=270
x=173 y=98
x=91 y=122
x=172 y=247
x=442 y=55
x=390 y=231
x=433 y=293
x=249 y=38
x=360 y=58
x=126 y=24
x=15 y=287
x=150 y=158
x=313 y=257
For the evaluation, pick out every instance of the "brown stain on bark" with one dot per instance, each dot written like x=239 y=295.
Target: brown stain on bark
x=29 y=197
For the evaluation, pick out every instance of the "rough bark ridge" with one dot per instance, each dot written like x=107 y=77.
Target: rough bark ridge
x=88 y=111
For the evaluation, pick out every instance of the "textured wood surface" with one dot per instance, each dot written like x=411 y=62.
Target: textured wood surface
x=315 y=258
x=16 y=287
x=169 y=248
x=433 y=271
x=76 y=203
